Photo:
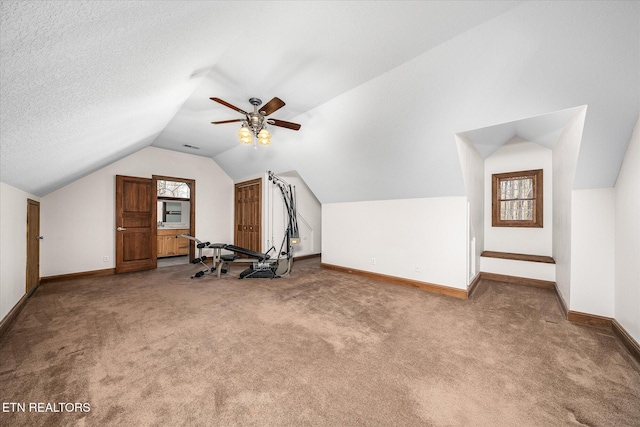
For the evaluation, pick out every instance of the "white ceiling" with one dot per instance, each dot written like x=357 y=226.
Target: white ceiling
x=379 y=88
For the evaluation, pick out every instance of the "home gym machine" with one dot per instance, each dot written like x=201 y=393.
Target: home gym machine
x=262 y=265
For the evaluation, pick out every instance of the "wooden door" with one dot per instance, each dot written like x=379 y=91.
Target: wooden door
x=135 y=224
x=248 y=215
x=33 y=246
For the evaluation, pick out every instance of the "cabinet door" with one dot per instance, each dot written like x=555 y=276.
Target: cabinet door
x=183 y=246
x=171 y=245
x=161 y=245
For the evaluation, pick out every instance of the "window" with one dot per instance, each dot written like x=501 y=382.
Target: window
x=173 y=189
x=517 y=199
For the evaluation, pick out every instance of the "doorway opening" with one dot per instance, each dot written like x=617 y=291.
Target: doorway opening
x=175 y=201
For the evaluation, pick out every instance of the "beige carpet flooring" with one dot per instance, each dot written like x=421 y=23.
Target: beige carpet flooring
x=320 y=348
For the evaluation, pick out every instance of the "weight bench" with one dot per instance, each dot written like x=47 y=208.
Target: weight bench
x=261 y=264
x=252 y=254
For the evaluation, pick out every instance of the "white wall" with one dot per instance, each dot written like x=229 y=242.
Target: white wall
x=518 y=155
x=13 y=246
x=565 y=157
x=509 y=267
x=472 y=165
x=627 y=235
x=78 y=221
x=418 y=239
x=309 y=218
x=593 y=251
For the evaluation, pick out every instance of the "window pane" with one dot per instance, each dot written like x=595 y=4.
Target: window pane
x=518 y=188
x=516 y=210
x=526 y=188
x=173 y=189
x=504 y=190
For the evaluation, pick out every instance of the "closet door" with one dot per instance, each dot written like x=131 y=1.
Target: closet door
x=248 y=215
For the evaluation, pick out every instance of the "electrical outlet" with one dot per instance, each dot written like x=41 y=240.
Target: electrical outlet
x=105 y=258
x=373 y=261
x=417 y=269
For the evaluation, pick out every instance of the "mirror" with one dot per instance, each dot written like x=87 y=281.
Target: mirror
x=173 y=214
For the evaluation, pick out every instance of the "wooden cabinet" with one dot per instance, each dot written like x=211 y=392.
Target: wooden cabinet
x=169 y=244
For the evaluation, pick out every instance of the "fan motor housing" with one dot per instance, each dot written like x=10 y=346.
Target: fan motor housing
x=256 y=119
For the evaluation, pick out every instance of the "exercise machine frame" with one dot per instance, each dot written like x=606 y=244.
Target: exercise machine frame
x=262 y=264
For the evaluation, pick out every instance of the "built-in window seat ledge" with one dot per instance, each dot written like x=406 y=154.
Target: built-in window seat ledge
x=518 y=257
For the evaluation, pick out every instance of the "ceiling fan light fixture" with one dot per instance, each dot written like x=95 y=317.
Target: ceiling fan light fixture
x=244 y=132
x=254 y=122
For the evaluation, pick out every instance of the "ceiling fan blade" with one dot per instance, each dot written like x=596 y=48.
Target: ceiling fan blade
x=227 y=121
x=226 y=104
x=272 y=106
x=283 y=124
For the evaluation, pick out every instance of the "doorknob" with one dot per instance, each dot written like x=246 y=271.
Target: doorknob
x=120 y=229
x=40 y=238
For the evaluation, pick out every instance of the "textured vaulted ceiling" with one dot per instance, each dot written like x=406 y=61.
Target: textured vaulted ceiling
x=380 y=88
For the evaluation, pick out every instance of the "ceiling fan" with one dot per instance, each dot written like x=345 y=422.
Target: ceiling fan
x=255 y=122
